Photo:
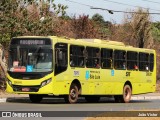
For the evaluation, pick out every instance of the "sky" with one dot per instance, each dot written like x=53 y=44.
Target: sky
x=80 y=7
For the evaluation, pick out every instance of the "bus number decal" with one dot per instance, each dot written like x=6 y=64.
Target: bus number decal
x=76 y=73
x=128 y=73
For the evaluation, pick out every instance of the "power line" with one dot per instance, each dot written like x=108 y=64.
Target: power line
x=110 y=11
x=79 y=3
x=151 y=1
x=129 y=5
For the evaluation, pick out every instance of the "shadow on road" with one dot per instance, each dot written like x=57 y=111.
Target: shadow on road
x=61 y=100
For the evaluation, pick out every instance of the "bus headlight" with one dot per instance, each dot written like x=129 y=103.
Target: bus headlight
x=46 y=82
x=9 y=82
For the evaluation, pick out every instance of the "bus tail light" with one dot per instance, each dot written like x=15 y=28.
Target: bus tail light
x=46 y=82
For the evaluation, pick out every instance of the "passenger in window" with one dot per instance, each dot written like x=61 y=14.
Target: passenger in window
x=147 y=67
x=124 y=65
x=72 y=62
x=135 y=67
x=96 y=63
x=81 y=63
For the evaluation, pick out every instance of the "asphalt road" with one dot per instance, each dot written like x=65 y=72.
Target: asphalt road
x=52 y=105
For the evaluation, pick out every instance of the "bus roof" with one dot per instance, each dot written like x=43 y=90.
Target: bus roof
x=95 y=42
x=99 y=42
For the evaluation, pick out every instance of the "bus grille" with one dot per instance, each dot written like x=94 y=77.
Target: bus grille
x=18 y=88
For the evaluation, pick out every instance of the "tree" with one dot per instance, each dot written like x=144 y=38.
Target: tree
x=104 y=31
x=98 y=18
x=28 y=17
x=83 y=27
x=141 y=26
x=156 y=31
x=7 y=19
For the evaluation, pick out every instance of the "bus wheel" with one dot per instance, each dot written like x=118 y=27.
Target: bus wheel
x=92 y=99
x=73 y=94
x=125 y=98
x=127 y=92
x=35 y=98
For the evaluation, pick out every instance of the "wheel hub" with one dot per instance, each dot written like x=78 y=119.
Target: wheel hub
x=73 y=93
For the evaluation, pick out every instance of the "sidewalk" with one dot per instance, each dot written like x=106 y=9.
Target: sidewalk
x=4 y=96
x=148 y=96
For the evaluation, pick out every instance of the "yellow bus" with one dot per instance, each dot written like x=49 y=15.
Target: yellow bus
x=70 y=68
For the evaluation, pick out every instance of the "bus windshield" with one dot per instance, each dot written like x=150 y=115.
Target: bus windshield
x=30 y=60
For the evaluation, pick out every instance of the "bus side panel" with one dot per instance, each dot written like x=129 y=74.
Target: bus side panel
x=114 y=81
x=62 y=83
x=143 y=82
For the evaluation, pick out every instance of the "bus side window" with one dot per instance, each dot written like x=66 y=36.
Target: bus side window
x=92 y=57
x=76 y=56
x=132 y=60
x=120 y=59
x=143 y=61
x=106 y=58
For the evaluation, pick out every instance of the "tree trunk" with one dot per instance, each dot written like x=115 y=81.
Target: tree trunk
x=2 y=62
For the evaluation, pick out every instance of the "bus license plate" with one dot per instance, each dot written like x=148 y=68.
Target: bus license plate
x=25 y=89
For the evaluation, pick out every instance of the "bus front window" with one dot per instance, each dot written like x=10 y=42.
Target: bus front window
x=30 y=60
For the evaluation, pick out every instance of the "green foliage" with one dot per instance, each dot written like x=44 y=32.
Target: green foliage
x=104 y=26
x=66 y=17
x=156 y=31
x=98 y=18
x=7 y=19
x=19 y=17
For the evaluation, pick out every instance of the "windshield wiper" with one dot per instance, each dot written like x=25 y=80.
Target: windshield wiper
x=38 y=49
x=18 y=55
x=36 y=54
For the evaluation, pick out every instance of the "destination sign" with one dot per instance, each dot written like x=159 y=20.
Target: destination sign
x=31 y=41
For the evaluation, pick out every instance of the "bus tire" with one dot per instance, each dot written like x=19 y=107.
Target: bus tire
x=92 y=99
x=34 y=98
x=125 y=98
x=127 y=93
x=73 y=94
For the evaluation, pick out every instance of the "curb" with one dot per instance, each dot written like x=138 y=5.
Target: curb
x=145 y=97
x=3 y=100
